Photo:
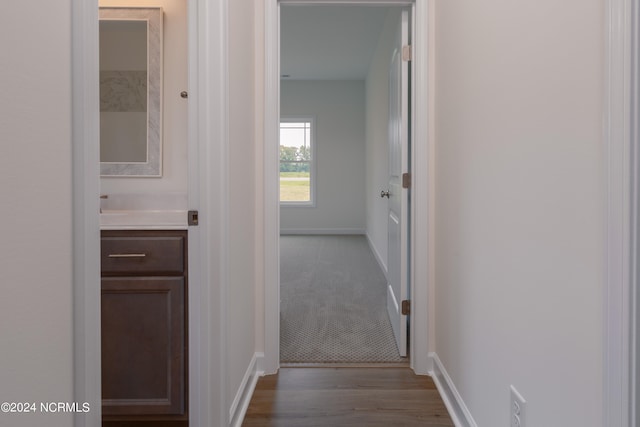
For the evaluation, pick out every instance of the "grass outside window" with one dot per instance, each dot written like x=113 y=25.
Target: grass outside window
x=296 y=162
x=294 y=190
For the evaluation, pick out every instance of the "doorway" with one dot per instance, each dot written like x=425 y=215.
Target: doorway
x=334 y=101
x=206 y=57
x=417 y=273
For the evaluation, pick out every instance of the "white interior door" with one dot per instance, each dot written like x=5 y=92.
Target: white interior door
x=398 y=197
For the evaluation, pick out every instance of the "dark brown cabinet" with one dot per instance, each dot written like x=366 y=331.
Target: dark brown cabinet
x=144 y=328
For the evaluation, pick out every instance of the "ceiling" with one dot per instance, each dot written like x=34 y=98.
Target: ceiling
x=328 y=42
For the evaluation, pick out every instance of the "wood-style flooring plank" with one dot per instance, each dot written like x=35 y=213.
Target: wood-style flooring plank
x=301 y=397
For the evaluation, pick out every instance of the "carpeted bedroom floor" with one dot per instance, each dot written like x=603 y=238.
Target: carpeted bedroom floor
x=333 y=302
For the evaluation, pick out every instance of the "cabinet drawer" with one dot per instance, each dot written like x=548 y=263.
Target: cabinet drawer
x=142 y=254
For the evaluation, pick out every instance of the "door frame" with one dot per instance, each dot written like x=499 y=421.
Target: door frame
x=421 y=154
x=86 y=222
x=622 y=171
x=207 y=148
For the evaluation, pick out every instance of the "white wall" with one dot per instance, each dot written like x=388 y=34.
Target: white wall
x=174 y=158
x=377 y=117
x=519 y=206
x=338 y=107
x=35 y=212
x=258 y=168
x=242 y=194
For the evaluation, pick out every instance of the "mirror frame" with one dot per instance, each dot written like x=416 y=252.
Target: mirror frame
x=153 y=165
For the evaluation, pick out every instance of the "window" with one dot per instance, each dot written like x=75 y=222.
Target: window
x=297 y=162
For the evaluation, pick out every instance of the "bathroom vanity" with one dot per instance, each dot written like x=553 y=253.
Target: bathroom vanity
x=144 y=327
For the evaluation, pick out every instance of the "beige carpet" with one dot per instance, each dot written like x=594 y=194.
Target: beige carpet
x=333 y=302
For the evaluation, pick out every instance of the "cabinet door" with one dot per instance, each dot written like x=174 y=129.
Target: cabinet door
x=143 y=351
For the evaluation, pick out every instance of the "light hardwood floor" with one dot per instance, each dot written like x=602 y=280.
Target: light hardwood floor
x=302 y=397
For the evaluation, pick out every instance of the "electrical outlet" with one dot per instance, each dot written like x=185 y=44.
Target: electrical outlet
x=518 y=406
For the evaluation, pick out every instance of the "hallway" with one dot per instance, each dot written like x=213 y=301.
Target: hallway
x=298 y=397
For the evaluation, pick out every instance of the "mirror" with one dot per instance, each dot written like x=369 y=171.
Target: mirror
x=131 y=92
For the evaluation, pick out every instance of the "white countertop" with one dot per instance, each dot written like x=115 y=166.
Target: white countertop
x=143 y=220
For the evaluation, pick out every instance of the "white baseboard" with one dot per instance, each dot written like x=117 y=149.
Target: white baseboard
x=245 y=391
x=319 y=231
x=381 y=263
x=453 y=401
x=259 y=363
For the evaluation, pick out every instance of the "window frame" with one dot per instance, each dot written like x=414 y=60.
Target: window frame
x=312 y=163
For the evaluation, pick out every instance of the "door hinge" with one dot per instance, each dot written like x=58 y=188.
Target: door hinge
x=406 y=180
x=406 y=307
x=407 y=53
x=192 y=218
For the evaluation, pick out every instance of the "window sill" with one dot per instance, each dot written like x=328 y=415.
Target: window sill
x=297 y=205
